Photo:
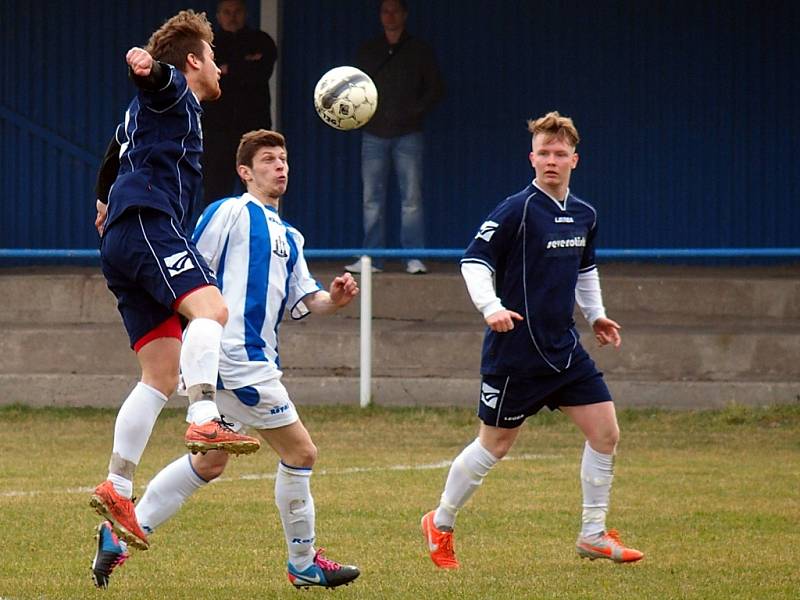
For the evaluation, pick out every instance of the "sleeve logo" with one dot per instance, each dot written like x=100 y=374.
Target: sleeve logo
x=178 y=263
x=486 y=231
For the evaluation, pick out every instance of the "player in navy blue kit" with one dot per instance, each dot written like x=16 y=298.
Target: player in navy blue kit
x=151 y=265
x=539 y=246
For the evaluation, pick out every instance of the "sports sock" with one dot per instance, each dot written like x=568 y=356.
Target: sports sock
x=597 y=473
x=167 y=492
x=296 y=507
x=199 y=368
x=132 y=430
x=466 y=474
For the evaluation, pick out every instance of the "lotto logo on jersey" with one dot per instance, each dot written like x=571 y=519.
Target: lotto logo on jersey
x=178 y=263
x=489 y=395
x=486 y=231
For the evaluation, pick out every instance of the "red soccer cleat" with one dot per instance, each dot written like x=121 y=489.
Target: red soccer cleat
x=217 y=434
x=119 y=511
x=606 y=545
x=440 y=544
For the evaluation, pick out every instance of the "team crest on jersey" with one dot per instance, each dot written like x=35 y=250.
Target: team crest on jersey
x=281 y=248
x=486 y=231
x=489 y=395
x=178 y=263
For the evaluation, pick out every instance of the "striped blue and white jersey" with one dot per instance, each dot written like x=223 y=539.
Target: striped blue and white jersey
x=161 y=144
x=260 y=267
x=535 y=246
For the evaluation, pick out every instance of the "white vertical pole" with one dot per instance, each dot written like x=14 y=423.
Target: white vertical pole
x=365 y=382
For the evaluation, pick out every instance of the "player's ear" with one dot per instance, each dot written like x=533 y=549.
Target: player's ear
x=193 y=61
x=574 y=160
x=244 y=172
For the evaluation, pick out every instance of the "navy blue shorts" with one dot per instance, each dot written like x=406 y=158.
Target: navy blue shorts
x=506 y=401
x=149 y=263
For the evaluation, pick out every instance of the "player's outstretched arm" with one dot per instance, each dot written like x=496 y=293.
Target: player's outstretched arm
x=140 y=61
x=606 y=331
x=342 y=291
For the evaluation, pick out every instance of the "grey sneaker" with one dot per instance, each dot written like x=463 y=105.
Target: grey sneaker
x=416 y=267
x=356 y=268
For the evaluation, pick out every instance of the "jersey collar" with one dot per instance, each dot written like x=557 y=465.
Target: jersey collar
x=561 y=204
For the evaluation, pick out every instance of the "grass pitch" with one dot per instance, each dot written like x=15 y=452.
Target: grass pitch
x=712 y=498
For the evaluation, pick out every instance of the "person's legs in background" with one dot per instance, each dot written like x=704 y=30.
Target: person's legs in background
x=375 y=157
x=407 y=153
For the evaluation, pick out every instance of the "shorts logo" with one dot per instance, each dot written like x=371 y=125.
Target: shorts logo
x=486 y=231
x=279 y=409
x=489 y=395
x=514 y=418
x=178 y=263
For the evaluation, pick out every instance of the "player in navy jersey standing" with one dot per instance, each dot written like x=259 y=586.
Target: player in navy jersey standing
x=259 y=261
x=539 y=245
x=151 y=264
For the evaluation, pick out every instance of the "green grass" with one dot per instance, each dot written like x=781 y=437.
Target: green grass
x=710 y=497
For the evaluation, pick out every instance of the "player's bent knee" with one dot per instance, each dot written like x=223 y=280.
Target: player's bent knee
x=303 y=456
x=211 y=465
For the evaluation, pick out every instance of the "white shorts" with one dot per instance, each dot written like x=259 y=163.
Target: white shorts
x=265 y=405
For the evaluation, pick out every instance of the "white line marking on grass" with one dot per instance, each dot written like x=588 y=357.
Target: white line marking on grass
x=260 y=476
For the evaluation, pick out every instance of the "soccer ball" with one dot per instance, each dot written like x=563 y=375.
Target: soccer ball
x=345 y=98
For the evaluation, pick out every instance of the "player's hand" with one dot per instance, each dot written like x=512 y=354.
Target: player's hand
x=606 y=331
x=343 y=289
x=100 y=219
x=503 y=320
x=139 y=61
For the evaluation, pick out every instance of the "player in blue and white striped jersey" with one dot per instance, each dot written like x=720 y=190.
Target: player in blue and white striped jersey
x=530 y=261
x=260 y=267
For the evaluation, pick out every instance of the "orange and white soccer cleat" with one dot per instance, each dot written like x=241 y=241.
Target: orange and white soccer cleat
x=120 y=512
x=218 y=434
x=606 y=545
x=440 y=544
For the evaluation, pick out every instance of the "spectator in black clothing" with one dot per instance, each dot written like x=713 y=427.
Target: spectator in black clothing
x=246 y=58
x=409 y=84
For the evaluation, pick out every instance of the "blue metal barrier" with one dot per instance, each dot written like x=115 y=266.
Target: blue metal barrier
x=445 y=253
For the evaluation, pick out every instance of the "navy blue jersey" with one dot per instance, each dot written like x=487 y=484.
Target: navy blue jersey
x=161 y=146
x=535 y=247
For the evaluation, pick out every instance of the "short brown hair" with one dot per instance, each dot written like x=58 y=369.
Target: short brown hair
x=554 y=125
x=252 y=141
x=180 y=36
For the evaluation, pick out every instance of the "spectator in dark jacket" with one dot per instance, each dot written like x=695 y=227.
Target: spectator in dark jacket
x=409 y=83
x=246 y=58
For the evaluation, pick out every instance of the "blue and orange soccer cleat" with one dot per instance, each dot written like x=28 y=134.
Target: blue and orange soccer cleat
x=439 y=543
x=111 y=553
x=606 y=545
x=323 y=573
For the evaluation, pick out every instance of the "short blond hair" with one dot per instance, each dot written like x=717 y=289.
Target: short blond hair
x=180 y=36
x=553 y=125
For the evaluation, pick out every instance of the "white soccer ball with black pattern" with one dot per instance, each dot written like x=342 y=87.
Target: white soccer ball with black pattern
x=345 y=98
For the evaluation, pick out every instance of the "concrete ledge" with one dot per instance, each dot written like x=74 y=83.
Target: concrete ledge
x=109 y=391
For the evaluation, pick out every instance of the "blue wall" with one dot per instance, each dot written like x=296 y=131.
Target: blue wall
x=63 y=89
x=688 y=113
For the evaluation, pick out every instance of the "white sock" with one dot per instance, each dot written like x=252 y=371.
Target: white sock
x=296 y=507
x=132 y=430
x=466 y=474
x=200 y=365
x=167 y=492
x=597 y=473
